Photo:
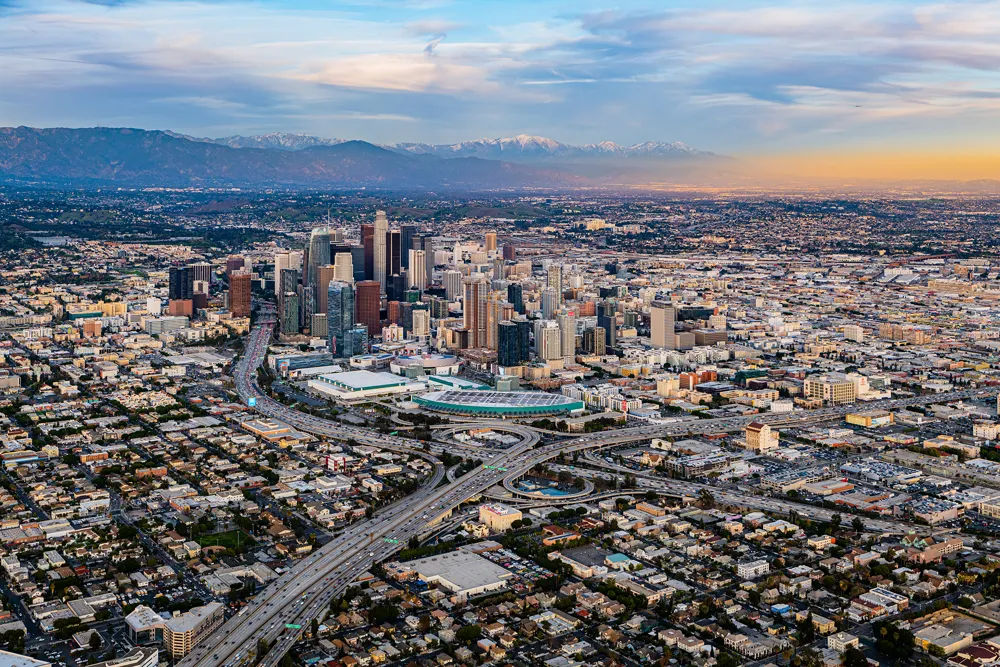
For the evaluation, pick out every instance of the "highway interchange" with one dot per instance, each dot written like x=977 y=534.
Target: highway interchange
x=280 y=613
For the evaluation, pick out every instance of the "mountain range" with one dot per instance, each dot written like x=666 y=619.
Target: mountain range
x=136 y=157
x=522 y=148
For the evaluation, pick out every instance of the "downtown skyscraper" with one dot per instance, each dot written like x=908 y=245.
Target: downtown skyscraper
x=379 y=236
x=339 y=316
x=319 y=253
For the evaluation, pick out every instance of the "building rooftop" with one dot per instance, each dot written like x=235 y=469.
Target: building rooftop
x=460 y=571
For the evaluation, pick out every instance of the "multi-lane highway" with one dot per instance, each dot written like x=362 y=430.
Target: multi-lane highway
x=279 y=614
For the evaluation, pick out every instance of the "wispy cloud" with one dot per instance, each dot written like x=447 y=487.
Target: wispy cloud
x=721 y=74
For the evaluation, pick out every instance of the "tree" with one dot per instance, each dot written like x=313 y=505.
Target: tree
x=892 y=641
x=469 y=633
x=314 y=627
x=726 y=660
x=806 y=657
x=706 y=499
x=858 y=525
x=95 y=641
x=854 y=657
x=807 y=633
x=835 y=521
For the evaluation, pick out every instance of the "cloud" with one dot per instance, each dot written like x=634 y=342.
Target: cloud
x=720 y=74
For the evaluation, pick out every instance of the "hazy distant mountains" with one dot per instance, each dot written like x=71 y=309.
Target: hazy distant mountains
x=155 y=158
x=522 y=148
x=527 y=148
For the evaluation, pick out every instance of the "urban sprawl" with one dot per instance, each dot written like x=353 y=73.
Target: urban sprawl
x=338 y=430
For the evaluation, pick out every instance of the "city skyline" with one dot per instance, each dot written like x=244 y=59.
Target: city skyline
x=902 y=90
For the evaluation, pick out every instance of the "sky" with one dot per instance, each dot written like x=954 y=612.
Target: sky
x=910 y=86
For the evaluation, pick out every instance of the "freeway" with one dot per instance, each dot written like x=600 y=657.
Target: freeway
x=275 y=617
x=305 y=591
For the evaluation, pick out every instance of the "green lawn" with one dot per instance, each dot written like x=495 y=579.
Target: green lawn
x=227 y=539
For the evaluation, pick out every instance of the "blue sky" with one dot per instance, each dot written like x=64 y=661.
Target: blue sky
x=733 y=77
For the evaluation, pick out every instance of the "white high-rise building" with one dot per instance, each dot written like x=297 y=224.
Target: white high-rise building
x=285 y=259
x=567 y=329
x=378 y=243
x=417 y=277
x=661 y=325
x=550 y=302
x=555 y=281
x=549 y=341
x=343 y=267
x=854 y=333
x=421 y=324
x=452 y=284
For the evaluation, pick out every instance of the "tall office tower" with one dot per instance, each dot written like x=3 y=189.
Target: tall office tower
x=550 y=303
x=498 y=269
x=509 y=252
x=319 y=326
x=181 y=286
x=339 y=316
x=523 y=338
x=201 y=272
x=358 y=262
x=493 y=303
x=336 y=236
x=593 y=341
x=343 y=265
x=393 y=313
x=421 y=324
x=381 y=258
x=491 y=241
x=393 y=252
x=319 y=252
x=395 y=289
x=452 y=284
x=239 y=293
x=567 y=329
x=308 y=302
x=508 y=348
x=513 y=340
x=290 y=313
x=661 y=325
x=474 y=309
x=427 y=245
x=600 y=341
x=368 y=243
x=290 y=280
x=608 y=320
x=548 y=341
x=417 y=276
x=280 y=264
x=340 y=247
x=285 y=260
x=368 y=305
x=555 y=281
x=407 y=235
x=235 y=263
x=356 y=341
x=515 y=294
x=406 y=309
x=324 y=277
